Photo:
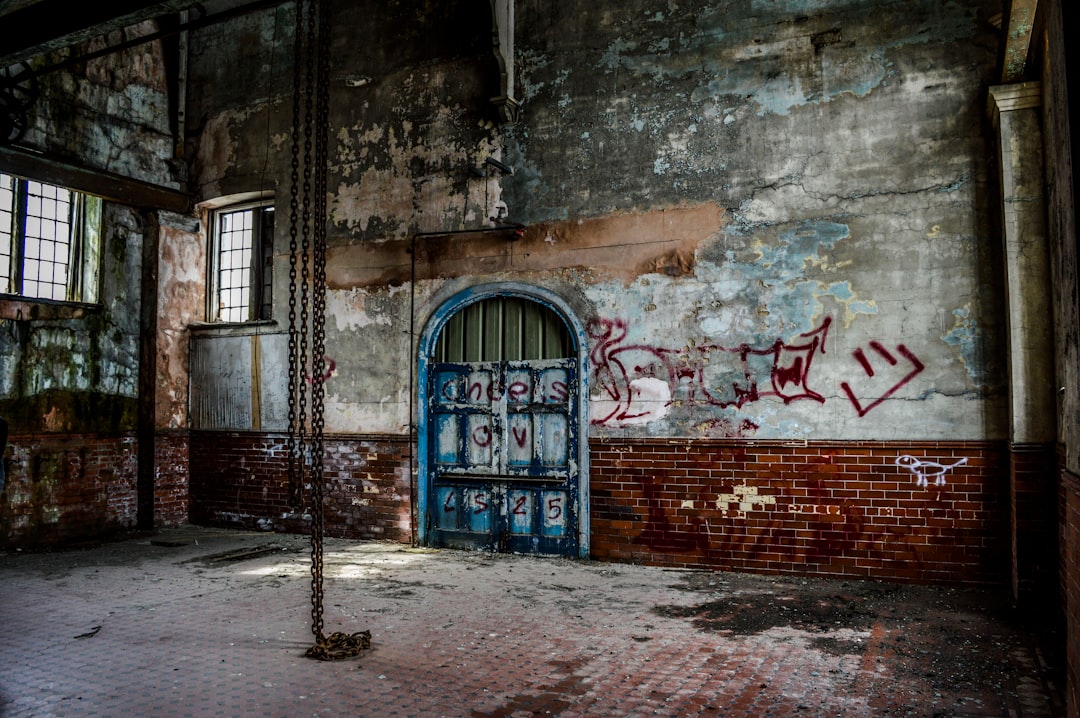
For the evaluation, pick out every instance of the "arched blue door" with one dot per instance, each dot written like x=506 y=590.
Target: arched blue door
x=501 y=435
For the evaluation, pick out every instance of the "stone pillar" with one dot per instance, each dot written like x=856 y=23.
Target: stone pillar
x=1016 y=111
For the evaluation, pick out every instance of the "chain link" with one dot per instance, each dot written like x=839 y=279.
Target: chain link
x=318 y=314
x=307 y=342
x=296 y=464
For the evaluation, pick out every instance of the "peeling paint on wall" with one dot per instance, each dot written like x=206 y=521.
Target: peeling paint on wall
x=967 y=337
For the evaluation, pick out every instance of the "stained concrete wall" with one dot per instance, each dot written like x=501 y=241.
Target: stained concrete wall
x=779 y=211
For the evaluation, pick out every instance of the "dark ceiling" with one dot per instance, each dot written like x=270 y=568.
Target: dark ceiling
x=30 y=28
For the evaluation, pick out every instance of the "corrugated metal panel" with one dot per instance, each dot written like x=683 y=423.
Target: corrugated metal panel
x=221 y=383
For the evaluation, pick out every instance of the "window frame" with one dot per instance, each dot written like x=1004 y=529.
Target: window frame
x=83 y=240
x=259 y=270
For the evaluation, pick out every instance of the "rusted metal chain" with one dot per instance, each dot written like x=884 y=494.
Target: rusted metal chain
x=307 y=341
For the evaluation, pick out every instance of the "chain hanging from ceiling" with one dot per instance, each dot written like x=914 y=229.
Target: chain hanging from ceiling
x=307 y=301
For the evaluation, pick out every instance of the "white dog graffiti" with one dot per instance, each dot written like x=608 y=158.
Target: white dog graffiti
x=925 y=470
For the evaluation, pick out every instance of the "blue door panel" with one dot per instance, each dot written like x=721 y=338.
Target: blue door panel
x=500 y=469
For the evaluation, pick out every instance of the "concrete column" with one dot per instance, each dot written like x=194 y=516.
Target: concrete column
x=1027 y=262
x=1016 y=111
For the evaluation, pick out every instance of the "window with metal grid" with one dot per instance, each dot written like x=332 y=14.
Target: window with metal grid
x=243 y=242
x=43 y=230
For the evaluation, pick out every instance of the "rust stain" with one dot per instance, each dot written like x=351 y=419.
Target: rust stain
x=618 y=247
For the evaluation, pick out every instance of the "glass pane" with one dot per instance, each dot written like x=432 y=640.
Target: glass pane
x=493 y=331
x=235 y=240
x=474 y=332
x=513 y=330
x=7 y=207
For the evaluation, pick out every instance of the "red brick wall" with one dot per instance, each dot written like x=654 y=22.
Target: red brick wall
x=64 y=488
x=1069 y=508
x=240 y=479
x=825 y=508
x=1033 y=498
x=171 y=458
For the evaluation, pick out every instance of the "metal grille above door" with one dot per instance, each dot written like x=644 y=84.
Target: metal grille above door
x=504 y=329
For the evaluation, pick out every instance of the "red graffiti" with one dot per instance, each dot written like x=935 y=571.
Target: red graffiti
x=780 y=370
x=520 y=438
x=481 y=436
x=891 y=362
x=554 y=508
x=448 y=505
x=517 y=390
x=662 y=535
x=519 y=506
x=559 y=392
x=478 y=390
x=328 y=367
x=480 y=501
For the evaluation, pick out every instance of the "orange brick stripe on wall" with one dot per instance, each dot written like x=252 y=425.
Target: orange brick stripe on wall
x=927 y=512
x=240 y=480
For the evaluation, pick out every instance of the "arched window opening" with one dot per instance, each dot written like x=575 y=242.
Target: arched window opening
x=504 y=329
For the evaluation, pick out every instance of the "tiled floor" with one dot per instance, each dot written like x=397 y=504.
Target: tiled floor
x=169 y=625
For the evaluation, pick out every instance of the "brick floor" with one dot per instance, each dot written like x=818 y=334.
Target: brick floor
x=164 y=626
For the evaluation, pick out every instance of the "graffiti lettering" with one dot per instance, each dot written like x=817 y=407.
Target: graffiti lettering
x=519 y=506
x=481 y=436
x=449 y=504
x=479 y=390
x=480 y=503
x=558 y=392
x=520 y=435
x=891 y=361
x=449 y=390
x=924 y=470
x=328 y=365
x=638 y=382
x=517 y=390
x=554 y=508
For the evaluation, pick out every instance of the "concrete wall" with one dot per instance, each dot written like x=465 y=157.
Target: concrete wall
x=698 y=181
x=772 y=218
x=775 y=220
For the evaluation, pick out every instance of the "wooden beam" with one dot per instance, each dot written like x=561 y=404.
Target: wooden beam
x=1017 y=34
x=107 y=185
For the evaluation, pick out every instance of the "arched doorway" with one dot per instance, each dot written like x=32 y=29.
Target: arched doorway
x=501 y=440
